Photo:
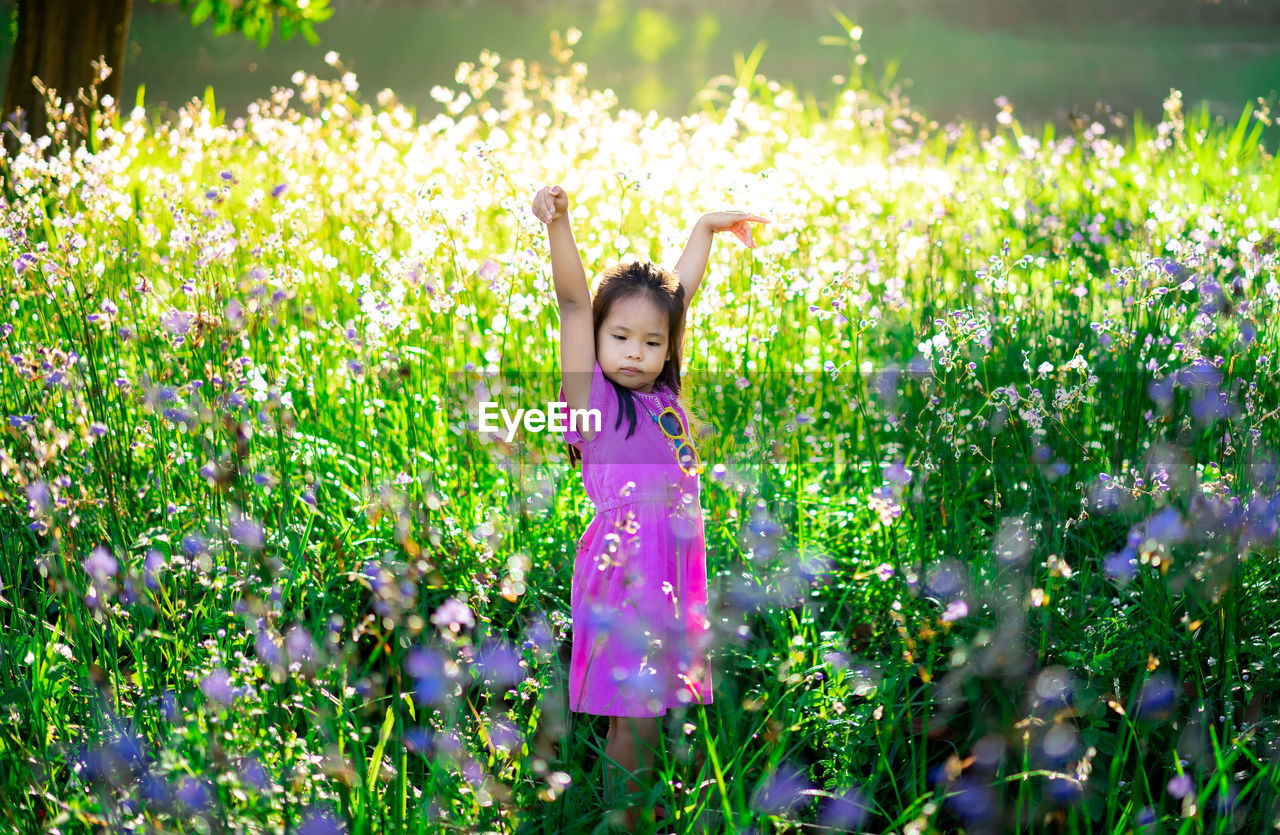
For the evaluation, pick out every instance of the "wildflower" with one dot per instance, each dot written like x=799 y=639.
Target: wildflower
x=847 y=810
x=499 y=665
x=253 y=774
x=216 y=687
x=885 y=505
x=1157 y=697
x=782 y=791
x=974 y=801
x=267 y=649
x=194 y=794
x=1180 y=786
x=316 y=821
x=1166 y=527
x=453 y=615
x=245 y=531
x=38 y=495
x=100 y=564
x=301 y=647
x=896 y=473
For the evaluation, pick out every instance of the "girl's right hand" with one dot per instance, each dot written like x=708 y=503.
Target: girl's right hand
x=550 y=203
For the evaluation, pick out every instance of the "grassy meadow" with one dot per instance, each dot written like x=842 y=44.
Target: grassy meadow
x=991 y=498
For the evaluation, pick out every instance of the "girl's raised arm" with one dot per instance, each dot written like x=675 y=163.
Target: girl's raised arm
x=577 y=328
x=693 y=261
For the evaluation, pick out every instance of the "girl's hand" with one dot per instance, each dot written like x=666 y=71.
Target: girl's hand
x=736 y=222
x=550 y=203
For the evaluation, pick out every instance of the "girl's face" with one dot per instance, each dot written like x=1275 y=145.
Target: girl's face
x=631 y=345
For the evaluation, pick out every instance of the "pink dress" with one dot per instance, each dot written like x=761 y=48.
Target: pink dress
x=639 y=592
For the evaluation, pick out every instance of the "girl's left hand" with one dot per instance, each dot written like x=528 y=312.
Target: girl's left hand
x=736 y=222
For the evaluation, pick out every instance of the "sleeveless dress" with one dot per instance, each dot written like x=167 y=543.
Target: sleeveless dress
x=639 y=590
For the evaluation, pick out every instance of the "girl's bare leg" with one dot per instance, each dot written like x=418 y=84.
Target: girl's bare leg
x=631 y=742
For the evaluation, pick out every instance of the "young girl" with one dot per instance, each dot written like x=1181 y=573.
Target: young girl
x=639 y=590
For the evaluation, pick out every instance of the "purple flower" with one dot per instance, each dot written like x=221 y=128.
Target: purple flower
x=955 y=610
x=1161 y=391
x=1261 y=521
x=1158 y=696
x=418 y=740
x=169 y=706
x=100 y=564
x=1062 y=790
x=38 y=494
x=279 y=190
x=194 y=545
x=152 y=566
x=247 y=532
x=896 y=473
x=24 y=262
x=783 y=791
x=453 y=614
x=176 y=322
x=266 y=648
x=473 y=772
x=1121 y=566
x=974 y=801
x=505 y=736
x=154 y=789
x=1180 y=786
x=1199 y=375
x=300 y=646
x=499 y=665
x=316 y=821
x=217 y=687
x=194 y=794
x=1166 y=527
x=848 y=810
x=946 y=580
x=253 y=774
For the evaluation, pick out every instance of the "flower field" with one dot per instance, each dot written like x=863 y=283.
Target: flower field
x=990 y=425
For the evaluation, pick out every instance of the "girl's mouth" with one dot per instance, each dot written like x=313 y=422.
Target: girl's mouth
x=629 y=370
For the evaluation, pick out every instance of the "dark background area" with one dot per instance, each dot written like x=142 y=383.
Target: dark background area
x=953 y=58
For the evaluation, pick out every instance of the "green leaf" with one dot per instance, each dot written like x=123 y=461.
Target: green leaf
x=1237 y=136
x=375 y=762
x=202 y=11
x=746 y=69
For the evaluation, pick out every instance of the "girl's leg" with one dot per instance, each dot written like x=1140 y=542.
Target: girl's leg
x=632 y=742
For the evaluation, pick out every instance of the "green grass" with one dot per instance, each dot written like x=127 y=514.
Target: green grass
x=228 y=604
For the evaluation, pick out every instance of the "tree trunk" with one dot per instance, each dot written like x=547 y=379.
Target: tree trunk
x=58 y=41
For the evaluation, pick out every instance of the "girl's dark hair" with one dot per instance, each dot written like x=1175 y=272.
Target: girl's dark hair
x=642 y=278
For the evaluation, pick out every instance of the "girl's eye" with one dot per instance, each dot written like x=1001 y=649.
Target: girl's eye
x=615 y=336
x=654 y=344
